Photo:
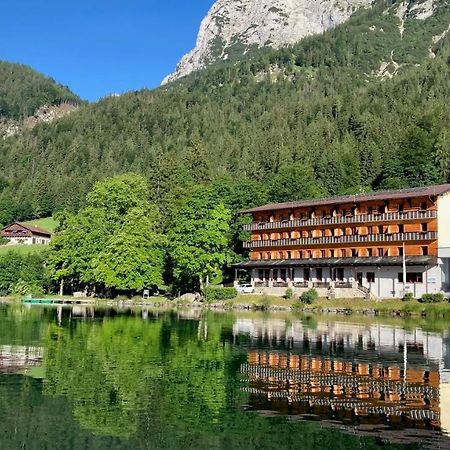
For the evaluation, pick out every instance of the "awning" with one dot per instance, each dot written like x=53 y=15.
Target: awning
x=342 y=262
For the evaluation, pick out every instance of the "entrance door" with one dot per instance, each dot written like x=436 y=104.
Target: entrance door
x=306 y=274
x=337 y=274
x=359 y=278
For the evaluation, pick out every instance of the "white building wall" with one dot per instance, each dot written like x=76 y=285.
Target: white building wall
x=443 y=205
x=28 y=240
x=386 y=283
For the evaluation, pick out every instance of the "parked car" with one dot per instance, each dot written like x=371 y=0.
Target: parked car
x=245 y=289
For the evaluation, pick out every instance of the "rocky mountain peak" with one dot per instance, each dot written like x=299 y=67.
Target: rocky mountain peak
x=234 y=26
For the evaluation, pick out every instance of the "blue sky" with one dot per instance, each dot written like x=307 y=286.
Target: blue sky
x=100 y=47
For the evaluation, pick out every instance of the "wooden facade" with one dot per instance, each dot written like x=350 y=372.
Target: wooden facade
x=354 y=229
x=358 y=241
x=19 y=233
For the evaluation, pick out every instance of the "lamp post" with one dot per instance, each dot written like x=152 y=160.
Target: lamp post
x=404 y=269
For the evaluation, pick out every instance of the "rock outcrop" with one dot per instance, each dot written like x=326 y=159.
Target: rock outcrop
x=234 y=26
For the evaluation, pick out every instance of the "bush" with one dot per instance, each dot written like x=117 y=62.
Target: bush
x=309 y=297
x=408 y=297
x=289 y=293
x=217 y=293
x=433 y=298
x=23 y=288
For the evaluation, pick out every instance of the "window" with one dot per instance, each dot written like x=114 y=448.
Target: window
x=369 y=252
x=354 y=252
x=323 y=254
x=423 y=206
x=319 y=274
x=306 y=274
x=423 y=227
x=261 y=274
x=332 y=253
x=425 y=251
x=401 y=228
x=380 y=252
x=400 y=251
x=338 y=274
x=411 y=277
x=370 y=276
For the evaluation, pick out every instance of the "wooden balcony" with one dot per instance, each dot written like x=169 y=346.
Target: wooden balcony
x=344 y=220
x=343 y=240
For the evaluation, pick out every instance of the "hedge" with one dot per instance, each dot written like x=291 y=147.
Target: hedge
x=217 y=293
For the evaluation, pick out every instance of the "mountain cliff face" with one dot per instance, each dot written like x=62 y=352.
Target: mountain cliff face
x=234 y=26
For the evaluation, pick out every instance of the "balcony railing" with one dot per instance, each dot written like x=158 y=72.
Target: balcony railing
x=360 y=218
x=340 y=240
x=280 y=284
x=301 y=284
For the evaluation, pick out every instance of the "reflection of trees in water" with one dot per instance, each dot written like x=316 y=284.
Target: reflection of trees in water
x=166 y=382
x=116 y=370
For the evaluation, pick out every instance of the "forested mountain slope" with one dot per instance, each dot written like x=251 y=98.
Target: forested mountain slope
x=361 y=107
x=23 y=91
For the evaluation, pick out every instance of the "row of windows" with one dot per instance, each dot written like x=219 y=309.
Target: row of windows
x=349 y=231
x=344 y=212
x=336 y=253
x=336 y=274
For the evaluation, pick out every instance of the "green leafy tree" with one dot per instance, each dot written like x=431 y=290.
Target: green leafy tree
x=133 y=258
x=198 y=239
x=114 y=242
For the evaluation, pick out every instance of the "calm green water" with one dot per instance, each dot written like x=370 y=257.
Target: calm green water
x=119 y=379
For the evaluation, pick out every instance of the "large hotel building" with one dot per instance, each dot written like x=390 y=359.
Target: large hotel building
x=358 y=242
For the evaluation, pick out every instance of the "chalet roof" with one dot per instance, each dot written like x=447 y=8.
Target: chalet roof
x=429 y=191
x=31 y=228
x=342 y=262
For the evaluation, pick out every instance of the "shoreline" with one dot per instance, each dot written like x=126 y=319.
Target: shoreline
x=371 y=308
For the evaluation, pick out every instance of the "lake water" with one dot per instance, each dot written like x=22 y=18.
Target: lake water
x=134 y=379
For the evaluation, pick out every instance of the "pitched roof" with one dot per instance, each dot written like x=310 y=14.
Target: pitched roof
x=30 y=228
x=373 y=261
x=429 y=191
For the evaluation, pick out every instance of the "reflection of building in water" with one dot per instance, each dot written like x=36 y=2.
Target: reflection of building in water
x=347 y=372
x=14 y=358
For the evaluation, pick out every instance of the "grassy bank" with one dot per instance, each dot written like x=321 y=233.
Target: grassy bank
x=47 y=223
x=348 y=306
x=22 y=249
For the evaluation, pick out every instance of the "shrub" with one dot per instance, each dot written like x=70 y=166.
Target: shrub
x=433 y=298
x=309 y=297
x=265 y=303
x=23 y=288
x=289 y=293
x=408 y=297
x=217 y=293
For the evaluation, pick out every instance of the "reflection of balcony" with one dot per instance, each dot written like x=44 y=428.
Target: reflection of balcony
x=280 y=284
x=357 y=219
x=301 y=284
x=341 y=240
x=261 y=284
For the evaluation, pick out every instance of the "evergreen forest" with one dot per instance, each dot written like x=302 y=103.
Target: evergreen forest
x=359 y=108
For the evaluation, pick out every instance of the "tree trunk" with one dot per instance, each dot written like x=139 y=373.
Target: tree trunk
x=61 y=287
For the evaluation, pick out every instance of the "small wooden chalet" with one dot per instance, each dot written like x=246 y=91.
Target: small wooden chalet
x=20 y=233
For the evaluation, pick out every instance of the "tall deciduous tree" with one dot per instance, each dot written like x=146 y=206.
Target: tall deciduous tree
x=133 y=258
x=114 y=242
x=198 y=239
